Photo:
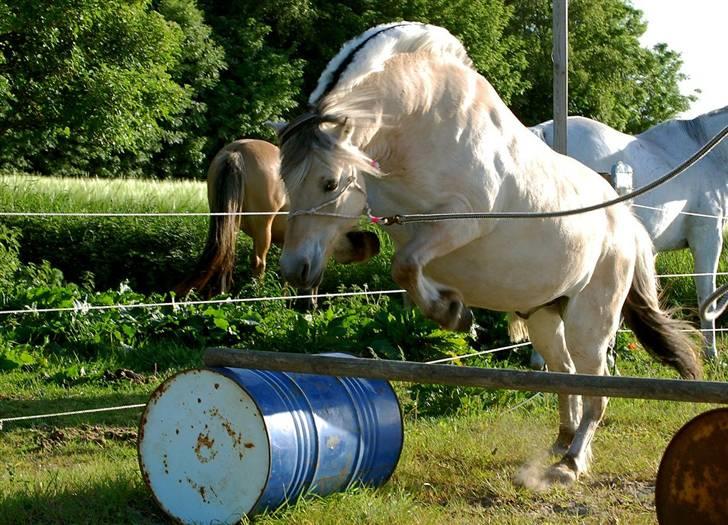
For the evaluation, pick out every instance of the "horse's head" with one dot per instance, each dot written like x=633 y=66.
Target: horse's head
x=322 y=172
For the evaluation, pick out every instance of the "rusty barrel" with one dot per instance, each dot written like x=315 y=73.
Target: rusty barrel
x=217 y=444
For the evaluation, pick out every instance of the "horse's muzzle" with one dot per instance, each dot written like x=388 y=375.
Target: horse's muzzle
x=300 y=271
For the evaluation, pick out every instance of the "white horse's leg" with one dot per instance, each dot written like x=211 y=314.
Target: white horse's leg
x=546 y=331
x=441 y=304
x=706 y=243
x=590 y=320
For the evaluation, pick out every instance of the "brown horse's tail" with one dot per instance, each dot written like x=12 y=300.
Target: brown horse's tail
x=665 y=338
x=214 y=269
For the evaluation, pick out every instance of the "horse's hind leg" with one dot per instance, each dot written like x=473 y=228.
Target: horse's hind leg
x=706 y=242
x=546 y=331
x=590 y=320
x=260 y=231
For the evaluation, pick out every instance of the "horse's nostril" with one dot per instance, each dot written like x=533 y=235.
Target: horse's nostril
x=304 y=272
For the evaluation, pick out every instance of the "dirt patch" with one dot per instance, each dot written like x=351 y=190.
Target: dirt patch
x=49 y=438
x=124 y=374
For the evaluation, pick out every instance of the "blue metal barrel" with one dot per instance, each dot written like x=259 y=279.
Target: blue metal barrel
x=218 y=444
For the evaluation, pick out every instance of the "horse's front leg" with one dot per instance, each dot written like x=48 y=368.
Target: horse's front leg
x=430 y=241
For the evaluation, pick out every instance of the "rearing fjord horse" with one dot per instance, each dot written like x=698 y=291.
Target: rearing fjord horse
x=686 y=212
x=401 y=123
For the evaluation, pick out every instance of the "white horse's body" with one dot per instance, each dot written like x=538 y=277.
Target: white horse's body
x=402 y=104
x=702 y=189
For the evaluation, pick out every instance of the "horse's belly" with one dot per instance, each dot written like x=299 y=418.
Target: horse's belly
x=499 y=274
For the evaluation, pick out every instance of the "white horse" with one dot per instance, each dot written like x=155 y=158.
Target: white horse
x=401 y=123
x=701 y=190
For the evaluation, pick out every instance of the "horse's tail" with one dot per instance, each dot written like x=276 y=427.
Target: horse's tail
x=214 y=269
x=665 y=338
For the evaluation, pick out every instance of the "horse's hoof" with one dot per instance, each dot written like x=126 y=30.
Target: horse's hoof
x=456 y=315
x=710 y=354
x=537 y=362
x=561 y=473
x=466 y=319
x=450 y=312
x=565 y=471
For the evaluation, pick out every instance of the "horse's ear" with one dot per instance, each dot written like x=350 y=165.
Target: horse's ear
x=276 y=126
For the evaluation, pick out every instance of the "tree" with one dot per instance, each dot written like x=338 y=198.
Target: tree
x=90 y=85
x=479 y=24
x=185 y=142
x=263 y=77
x=611 y=77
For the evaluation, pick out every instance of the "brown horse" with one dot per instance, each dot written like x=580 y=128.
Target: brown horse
x=243 y=178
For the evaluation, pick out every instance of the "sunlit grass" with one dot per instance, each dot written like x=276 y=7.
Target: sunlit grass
x=21 y=192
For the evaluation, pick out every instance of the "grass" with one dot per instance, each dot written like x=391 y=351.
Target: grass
x=22 y=192
x=458 y=469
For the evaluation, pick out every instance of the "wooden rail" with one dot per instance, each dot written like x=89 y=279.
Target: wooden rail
x=489 y=378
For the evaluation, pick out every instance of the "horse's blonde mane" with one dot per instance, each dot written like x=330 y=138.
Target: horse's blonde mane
x=368 y=52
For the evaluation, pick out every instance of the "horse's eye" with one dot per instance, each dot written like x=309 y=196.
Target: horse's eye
x=330 y=185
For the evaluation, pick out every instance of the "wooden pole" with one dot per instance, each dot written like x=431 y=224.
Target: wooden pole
x=561 y=72
x=560 y=383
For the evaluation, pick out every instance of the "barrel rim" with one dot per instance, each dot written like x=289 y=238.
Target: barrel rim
x=140 y=435
x=401 y=434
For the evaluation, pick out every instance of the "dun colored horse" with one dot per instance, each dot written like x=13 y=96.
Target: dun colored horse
x=401 y=124
x=243 y=178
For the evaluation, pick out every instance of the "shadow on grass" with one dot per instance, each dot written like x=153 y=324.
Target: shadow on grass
x=117 y=500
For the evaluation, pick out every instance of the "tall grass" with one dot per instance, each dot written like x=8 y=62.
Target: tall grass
x=28 y=193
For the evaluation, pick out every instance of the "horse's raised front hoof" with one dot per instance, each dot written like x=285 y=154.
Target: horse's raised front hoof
x=563 y=472
x=450 y=312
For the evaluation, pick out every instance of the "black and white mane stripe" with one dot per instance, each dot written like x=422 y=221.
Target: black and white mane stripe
x=347 y=60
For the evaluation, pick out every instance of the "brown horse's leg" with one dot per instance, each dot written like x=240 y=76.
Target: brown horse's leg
x=261 y=233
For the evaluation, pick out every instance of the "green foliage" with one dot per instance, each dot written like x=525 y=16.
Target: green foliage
x=9 y=249
x=151 y=254
x=185 y=139
x=611 y=77
x=262 y=78
x=91 y=85
x=325 y=25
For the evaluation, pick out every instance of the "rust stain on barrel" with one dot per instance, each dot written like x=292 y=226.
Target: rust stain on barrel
x=204 y=442
x=237 y=437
